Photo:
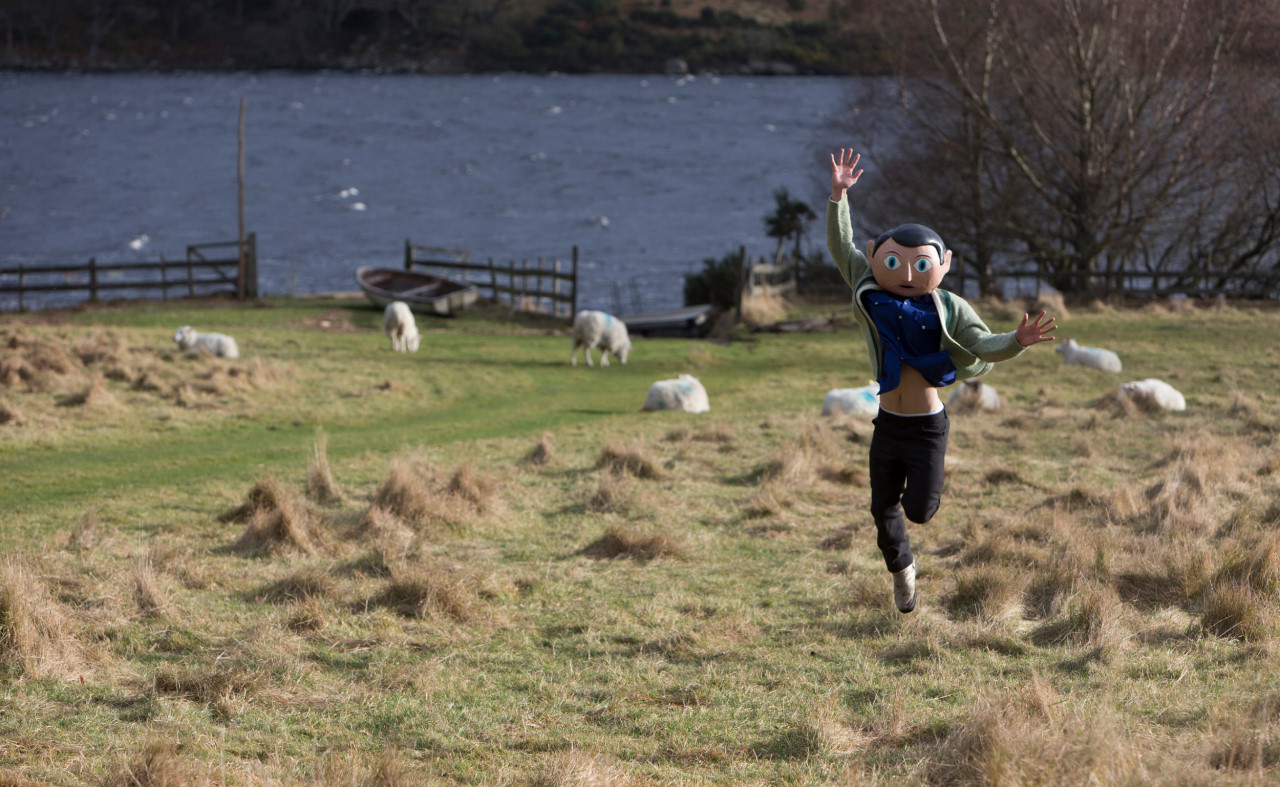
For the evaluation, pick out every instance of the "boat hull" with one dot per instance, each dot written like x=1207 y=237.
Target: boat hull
x=423 y=293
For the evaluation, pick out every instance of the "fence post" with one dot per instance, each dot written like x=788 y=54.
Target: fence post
x=22 y=275
x=742 y=278
x=538 y=284
x=251 y=265
x=1039 y=276
x=93 y=280
x=408 y=255
x=191 y=279
x=493 y=282
x=164 y=279
x=555 y=290
x=573 y=309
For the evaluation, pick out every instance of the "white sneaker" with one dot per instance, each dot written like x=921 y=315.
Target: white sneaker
x=904 y=588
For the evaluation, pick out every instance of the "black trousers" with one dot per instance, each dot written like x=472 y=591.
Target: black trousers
x=906 y=462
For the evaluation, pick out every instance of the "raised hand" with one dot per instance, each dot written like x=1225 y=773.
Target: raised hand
x=843 y=174
x=1035 y=331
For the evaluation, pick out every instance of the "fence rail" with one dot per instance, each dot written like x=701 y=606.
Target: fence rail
x=1141 y=284
x=546 y=286
x=197 y=273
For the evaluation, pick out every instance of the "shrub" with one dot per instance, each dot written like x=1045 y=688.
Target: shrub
x=716 y=284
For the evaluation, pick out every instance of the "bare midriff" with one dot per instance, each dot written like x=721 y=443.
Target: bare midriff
x=913 y=396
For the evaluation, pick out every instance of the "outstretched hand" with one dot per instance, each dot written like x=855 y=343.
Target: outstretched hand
x=1035 y=331
x=842 y=173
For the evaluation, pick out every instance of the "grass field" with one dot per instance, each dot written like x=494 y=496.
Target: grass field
x=326 y=563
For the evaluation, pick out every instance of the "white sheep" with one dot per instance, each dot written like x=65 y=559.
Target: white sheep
x=597 y=329
x=683 y=393
x=397 y=321
x=973 y=395
x=1093 y=357
x=1151 y=394
x=192 y=341
x=864 y=401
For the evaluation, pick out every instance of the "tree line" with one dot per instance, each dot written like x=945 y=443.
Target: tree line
x=1088 y=139
x=430 y=35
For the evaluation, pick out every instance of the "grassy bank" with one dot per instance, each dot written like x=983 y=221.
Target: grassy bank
x=325 y=563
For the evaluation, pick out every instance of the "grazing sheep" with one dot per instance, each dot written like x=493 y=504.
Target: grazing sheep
x=864 y=401
x=1152 y=394
x=973 y=395
x=192 y=341
x=398 y=322
x=683 y=393
x=597 y=329
x=1093 y=357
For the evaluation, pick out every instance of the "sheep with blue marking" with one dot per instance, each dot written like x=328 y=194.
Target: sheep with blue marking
x=1092 y=357
x=685 y=393
x=593 y=329
x=864 y=401
x=220 y=345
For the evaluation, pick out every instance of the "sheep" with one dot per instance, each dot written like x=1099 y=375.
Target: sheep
x=683 y=393
x=864 y=401
x=1093 y=357
x=397 y=321
x=192 y=341
x=973 y=395
x=1152 y=394
x=597 y=329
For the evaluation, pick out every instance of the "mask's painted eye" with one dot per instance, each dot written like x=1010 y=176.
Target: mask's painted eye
x=923 y=265
x=891 y=262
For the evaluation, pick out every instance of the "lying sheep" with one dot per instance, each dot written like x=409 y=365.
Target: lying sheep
x=1152 y=394
x=597 y=329
x=1093 y=357
x=683 y=393
x=864 y=401
x=397 y=321
x=973 y=395
x=192 y=341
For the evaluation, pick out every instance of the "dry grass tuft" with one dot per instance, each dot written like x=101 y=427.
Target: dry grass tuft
x=613 y=494
x=303 y=585
x=320 y=484
x=222 y=689
x=1012 y=740
x=763 y=309
x=266 y=495
x=95 y=395
x=641 y=547
x=578 y=769
x=86 y=534
x=1052 y=303
x=1246 y=748
x=406 y=491
x=36 y=638
x=427 y=591
x=479 y=490
x=771 y=498
x=280 y=525
x=988 y=593
x=1093 y=618
x=158 y=765
x=148 y=593
x=1257 y=567
x=1235 y=610
x=10 y=415
x=366 y=769
x=633 y=460
x=801 y=458
x=541 y=454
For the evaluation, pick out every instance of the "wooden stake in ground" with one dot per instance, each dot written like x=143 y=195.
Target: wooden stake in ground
x=240 y=282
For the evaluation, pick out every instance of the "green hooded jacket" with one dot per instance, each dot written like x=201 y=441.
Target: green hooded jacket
x=973 y=348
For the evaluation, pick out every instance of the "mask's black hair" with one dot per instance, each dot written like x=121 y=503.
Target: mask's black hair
x=911 y=236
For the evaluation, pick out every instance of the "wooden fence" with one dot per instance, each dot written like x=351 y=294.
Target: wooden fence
x=545 y=287
x=205 y=271
x=1138 y=284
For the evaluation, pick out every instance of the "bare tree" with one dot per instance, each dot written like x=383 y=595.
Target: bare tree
x=1062 y=132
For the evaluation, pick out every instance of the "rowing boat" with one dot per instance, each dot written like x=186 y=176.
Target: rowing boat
x=424 y=293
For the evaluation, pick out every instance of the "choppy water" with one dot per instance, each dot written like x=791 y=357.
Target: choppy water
x=646 y=175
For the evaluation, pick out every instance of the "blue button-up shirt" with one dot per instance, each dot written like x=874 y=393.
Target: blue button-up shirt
x=911 y=333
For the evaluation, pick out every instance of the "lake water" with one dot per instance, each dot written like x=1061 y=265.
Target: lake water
x=647 y=175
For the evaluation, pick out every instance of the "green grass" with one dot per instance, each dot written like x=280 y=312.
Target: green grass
x=1051 y=646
